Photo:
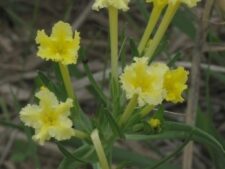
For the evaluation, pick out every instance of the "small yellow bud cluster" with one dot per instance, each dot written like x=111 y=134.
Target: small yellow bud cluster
x=154 y=123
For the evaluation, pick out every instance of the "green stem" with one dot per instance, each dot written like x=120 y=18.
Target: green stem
x=113 y=28
x=146 y=110
x=170 y=12
x=68 y=84
x=80 y=134
x=149 y=29
x=128 y=110
x=99 y=150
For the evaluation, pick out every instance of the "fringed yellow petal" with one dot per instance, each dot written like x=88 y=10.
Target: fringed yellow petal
x=46 y=98
x=175 y=84
x=64 y=107
x=61 y=30
x=30 y=114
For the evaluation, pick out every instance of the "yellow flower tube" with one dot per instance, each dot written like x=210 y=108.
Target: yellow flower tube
x=113 y=27
x=128 y=110
x=148 y=31
x=99 y=150
x=170 y=12
x=113 y=7
x=157 y=9
x=146 y=110
x=68 y=84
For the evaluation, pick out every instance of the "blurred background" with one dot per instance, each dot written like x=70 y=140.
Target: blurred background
x=19 y=67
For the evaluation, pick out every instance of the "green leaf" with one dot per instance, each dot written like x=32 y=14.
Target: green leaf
x=19 y=151
x=115 y=106
x=159 y=114
x=11 y=125
x=85 y=152
x=114 y=125
x=122 y=52
x=94 y=84
x=204 y=121
x=173 y=130
x=134 y=49
x=57 y=88
x=172 y=155
x=67 y=154
x=200 y=135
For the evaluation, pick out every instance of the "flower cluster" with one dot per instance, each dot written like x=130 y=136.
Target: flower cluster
x=61 y=46
x=153 y=83
x=49 y=118
x=146 y=85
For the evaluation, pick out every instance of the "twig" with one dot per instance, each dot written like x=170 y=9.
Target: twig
x=195 y=76
x=79 y=21
x=219 y=47
x=204 y=66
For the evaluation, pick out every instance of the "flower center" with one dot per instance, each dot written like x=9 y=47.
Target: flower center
x=143 y=81
x=49 y=119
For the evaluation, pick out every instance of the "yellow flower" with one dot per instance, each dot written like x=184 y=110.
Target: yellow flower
x=174 y=83
x=49 y=118
x=154 y=123
x=61 y=46
x=189 y=3
x=144 y=81
x=118 y=4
